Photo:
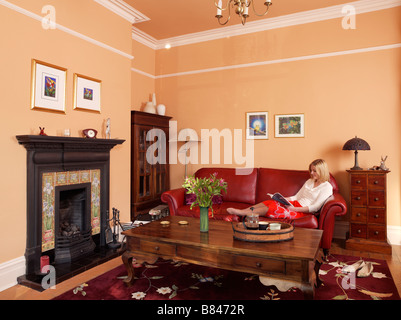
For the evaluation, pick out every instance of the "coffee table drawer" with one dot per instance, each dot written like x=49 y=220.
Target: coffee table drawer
x=260 y=264
x=209 y=255
x=157 y=247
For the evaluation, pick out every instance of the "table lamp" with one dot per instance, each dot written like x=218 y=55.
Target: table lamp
x=356 y=144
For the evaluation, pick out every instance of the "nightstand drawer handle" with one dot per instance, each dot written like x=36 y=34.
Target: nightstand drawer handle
x=358 y=214
x=376 y=233
x=157 y=248
x=258 y=264
x=376 y=215
x=358 y=198
x=376 y=182
x=358 y=181
x=359 y=231
x=376 y=199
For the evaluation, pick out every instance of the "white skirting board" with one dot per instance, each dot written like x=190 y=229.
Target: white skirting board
x=394 y=235
x=11 y=270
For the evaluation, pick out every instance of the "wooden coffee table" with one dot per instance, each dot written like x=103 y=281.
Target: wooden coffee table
x=284 y=264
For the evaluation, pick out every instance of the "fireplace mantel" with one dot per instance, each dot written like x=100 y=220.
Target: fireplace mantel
x=37 y=142
x=47 y=154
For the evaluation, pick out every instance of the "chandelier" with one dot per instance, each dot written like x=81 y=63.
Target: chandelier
x=241 y=8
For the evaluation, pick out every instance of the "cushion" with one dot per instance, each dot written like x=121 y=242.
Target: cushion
x=240 y=187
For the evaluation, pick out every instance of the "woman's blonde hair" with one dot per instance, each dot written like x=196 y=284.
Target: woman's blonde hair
x=321 y=168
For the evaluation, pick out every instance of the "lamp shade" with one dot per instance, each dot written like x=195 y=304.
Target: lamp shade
x=356 y=144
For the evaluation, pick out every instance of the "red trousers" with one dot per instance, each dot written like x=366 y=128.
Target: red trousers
x=277 y=210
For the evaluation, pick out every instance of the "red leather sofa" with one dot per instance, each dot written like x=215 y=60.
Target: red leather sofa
x=245 y=190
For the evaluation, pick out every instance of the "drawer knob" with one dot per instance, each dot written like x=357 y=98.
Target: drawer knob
x=376 y=215
x=376 y=233
x=358 y=181
x=358 y=198
x=376 y=182
x=359 y=231
x=376 y=199
x=258 y=264
x=358 y=214
x=157 y=248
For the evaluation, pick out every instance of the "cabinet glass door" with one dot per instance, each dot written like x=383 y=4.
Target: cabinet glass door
x=145 y=169
x=160 y=169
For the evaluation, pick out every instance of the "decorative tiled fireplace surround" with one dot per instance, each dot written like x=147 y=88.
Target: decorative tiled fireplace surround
x=51 y=180
x=63 y=162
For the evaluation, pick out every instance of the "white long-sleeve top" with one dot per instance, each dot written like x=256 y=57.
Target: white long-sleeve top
x=313 y=197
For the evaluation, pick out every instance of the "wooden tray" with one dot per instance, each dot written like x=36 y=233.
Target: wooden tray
x=284 y=234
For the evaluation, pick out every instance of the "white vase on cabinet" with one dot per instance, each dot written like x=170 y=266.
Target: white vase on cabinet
x=161 y=109
x=150 y=108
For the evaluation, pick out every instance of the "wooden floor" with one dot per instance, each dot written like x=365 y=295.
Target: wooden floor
x=19 y=292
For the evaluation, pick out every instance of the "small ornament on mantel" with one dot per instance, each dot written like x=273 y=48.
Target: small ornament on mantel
x=42 y=131
x=108 y=128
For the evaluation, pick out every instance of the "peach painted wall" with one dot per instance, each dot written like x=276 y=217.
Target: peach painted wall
x=341 y=95
x=143 y=70
x=24 y=39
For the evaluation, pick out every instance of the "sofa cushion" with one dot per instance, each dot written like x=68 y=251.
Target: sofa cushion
x=240 y=188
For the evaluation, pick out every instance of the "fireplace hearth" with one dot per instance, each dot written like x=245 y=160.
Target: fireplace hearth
x=67 y=203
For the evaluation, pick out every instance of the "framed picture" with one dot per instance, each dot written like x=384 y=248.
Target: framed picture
x=48 y=86
x=87 y=93
x=257 y=125
x=289 y=126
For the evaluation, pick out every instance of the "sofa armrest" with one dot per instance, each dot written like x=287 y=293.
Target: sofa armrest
x=174 y=198
x=334 y=206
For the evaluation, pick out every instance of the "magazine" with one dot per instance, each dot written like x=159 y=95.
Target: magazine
x=280 y=198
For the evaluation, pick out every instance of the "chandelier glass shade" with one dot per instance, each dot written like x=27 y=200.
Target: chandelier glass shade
x=241 y=8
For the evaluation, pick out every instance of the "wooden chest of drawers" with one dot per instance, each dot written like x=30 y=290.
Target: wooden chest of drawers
x=368 y=203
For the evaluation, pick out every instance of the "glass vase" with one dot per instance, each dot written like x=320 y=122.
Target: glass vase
x=204 y=219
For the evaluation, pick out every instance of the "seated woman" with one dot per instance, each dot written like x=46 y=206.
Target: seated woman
x=309 y=198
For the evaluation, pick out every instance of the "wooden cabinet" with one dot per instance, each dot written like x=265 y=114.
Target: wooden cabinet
x=368 y=213
x=149 y=161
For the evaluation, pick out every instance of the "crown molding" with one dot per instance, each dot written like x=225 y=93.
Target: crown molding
x=144 y=38
x=124 y=10
x=333 y=12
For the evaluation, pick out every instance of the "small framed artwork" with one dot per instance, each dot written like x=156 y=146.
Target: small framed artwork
x=257 y=125
x=87 y=93
x=289 y=126
x=48 y=86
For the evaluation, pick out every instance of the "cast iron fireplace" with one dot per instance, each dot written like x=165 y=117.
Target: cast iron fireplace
x=73 y=230
x=67 y=200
